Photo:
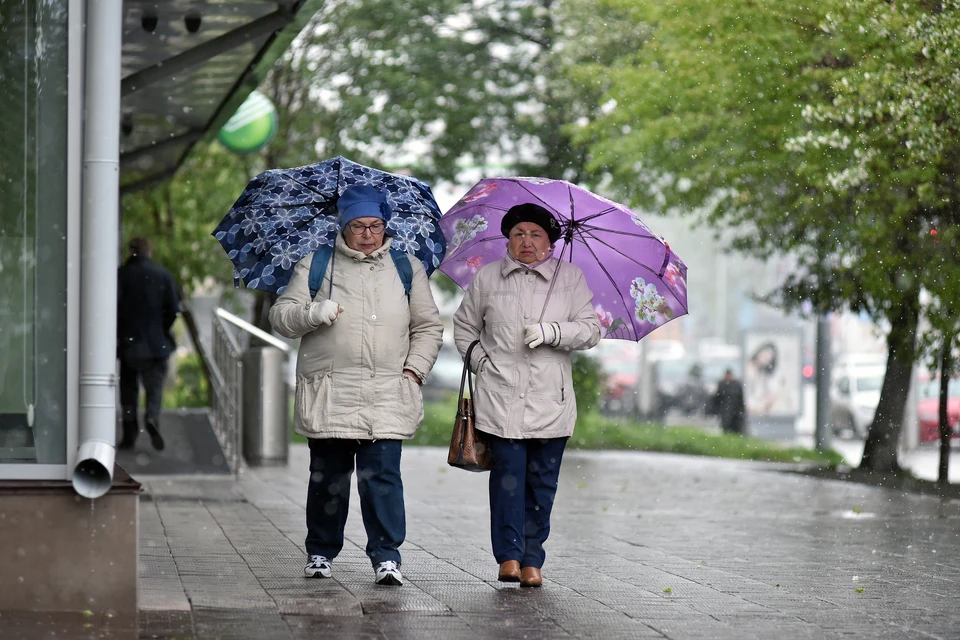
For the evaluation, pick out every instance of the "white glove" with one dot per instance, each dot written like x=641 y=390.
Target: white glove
x=547 y=333
x=325 y=312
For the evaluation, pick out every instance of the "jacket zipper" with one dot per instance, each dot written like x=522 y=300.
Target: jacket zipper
x=561 y=385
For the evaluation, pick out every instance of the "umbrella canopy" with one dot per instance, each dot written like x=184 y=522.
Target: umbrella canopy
x=638 y=283
x=284 y=214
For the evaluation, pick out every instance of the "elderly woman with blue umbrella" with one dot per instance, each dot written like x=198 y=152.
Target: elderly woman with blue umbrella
x=369 y=329
x=549 y=268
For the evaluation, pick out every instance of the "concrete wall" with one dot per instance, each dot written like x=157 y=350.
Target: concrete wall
x=61 y=552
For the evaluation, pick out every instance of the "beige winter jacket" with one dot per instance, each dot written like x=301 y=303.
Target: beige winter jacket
x=522 y=392
x=350 y=381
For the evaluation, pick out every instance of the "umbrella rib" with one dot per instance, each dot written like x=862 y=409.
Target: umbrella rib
x=613 y=248
x=292 y=205
x=547 y=205
x=621 y=233
x=670 y=287
x=636 y=332
x=475 y=242
x=639 y=264
x=599 y=214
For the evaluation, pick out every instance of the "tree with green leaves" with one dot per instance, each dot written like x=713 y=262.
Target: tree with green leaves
x=423 y=86
x=806 y=129
x=443 y=84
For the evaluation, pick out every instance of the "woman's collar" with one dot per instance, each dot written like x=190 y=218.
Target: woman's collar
x=378 y=253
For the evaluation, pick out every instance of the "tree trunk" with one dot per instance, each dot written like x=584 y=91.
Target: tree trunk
x=191 y=324
x=943 y=472
x=883 y=439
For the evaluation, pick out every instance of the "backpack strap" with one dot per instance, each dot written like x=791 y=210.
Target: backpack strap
x=322 y=256
x=318 y=269
x=401 y=260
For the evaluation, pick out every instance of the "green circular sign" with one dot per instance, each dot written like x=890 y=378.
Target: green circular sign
x=252 y=126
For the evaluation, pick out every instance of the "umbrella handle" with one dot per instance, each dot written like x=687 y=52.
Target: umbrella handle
x=333 y=256
x=553 y=281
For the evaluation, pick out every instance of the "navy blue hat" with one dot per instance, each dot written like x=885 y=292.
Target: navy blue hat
x=361 y=201
x=530 y=212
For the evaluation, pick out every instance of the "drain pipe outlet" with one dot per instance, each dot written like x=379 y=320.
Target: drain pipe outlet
x=100 y=240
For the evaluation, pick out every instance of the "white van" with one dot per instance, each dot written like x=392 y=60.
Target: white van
x=855 y=392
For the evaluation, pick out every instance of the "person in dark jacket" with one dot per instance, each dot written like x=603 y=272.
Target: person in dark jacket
x=728 y=403
x=147 y=306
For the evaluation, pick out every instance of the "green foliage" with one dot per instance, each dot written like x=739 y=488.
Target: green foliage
x=190 y=387
x=826 y=131
x=179 y=215
x=474 y=84
x=588 y=381
x=596 y=432
x=437 y=424
x=821 y=130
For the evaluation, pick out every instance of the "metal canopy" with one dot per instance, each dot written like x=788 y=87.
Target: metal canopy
x=187 y=65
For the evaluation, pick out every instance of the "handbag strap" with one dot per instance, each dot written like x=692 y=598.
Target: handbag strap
x=466 y=378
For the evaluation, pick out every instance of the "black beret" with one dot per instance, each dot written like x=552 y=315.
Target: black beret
x=530 y=212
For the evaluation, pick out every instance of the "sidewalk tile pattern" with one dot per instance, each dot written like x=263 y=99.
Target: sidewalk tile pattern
x=642 y=546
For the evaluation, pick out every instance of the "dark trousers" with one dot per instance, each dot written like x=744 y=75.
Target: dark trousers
x=523 y=484
x=152 y=372
x=381 y=496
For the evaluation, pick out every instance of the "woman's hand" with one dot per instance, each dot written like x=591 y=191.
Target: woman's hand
x=546 y=333
x=410 y=374
x=325 y=312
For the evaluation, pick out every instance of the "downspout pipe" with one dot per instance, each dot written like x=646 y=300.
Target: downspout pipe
x=100 y=240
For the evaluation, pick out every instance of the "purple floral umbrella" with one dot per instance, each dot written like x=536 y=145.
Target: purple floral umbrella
x=638 y=283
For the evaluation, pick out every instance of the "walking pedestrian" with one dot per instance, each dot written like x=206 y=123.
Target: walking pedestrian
x=528 y=310
x=147 y=306
x=370 y=333
x=728 y=403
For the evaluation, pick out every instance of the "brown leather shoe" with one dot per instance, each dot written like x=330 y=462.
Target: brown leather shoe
x=509 y=571
x=530 y=577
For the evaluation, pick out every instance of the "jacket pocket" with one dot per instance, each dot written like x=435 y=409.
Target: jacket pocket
x=546 y=379
x=410 y=412
x=312 y=407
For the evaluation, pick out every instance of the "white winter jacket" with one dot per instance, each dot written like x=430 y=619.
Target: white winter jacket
x=522 y=392
x=350 y=381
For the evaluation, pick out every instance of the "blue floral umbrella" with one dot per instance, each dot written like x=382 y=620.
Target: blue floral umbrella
x=285 y=214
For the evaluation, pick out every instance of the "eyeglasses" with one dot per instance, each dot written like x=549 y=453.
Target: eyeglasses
x=358 y=228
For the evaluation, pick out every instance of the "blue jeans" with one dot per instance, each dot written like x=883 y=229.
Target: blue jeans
x=381 y=496
x=523 y=484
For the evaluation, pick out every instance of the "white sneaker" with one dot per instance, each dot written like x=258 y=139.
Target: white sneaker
x=388 y=573
x=318 y=567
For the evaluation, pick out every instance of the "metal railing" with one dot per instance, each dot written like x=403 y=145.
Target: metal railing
x=226 y=373
x=226 y=376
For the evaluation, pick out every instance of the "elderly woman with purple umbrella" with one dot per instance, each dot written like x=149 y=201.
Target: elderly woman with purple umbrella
x=528 y=311
x=578 y=268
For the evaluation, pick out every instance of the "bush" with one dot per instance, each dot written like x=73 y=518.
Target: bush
x=189 y=388
x=588 y=382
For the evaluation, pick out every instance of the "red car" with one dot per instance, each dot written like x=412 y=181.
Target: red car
x=928 y=410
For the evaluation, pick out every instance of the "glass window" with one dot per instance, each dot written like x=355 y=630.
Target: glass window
x=33 y=229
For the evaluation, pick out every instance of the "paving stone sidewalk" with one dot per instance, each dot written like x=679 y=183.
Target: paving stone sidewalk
x=643 y=546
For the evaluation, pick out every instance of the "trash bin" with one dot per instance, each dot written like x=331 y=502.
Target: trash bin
x=266 y=409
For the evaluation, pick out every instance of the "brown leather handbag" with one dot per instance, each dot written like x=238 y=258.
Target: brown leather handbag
x=468 y=450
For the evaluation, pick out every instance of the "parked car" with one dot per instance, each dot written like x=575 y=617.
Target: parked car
x=855 y=393
x=928 y=410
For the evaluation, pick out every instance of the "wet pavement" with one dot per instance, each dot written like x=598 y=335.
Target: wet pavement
x=643 y=546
